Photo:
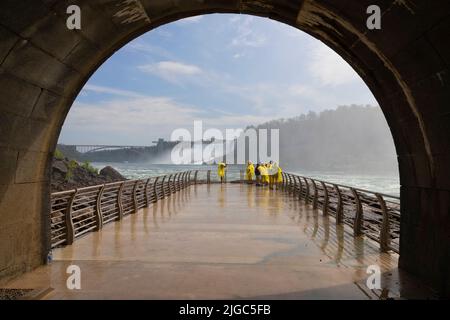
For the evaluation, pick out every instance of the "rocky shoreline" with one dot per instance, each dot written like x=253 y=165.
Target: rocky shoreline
x=69 y=174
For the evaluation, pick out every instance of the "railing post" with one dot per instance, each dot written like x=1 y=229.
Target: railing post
x=286 y=182
x=294 y=188
x=183 y=180
x=307 y=190
x=174 y=183
x=385 y=238
x=301 y=188
x=70 y=232
x=325 y=200
x=155 y=190
x=316 y=194
x=119 y=201
x=168 y=188
x=241 y=175
x=195 y=176
x=98 y=213
x=357 y=224
x=147 y=200
x=339 y=206
x=208 y=177
x=292 y=184
x=135 y=201
x=163 y=190
x=179 y=179
x=169 y=184
x=173 y=189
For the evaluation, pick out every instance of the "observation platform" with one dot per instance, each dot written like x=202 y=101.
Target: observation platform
x=230 y=241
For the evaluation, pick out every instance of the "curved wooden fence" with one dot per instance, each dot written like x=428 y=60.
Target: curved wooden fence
x=77 y=212
x=369 y=213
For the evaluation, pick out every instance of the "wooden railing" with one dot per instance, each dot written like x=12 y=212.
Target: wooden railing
x=369 y=213
x=77 y=212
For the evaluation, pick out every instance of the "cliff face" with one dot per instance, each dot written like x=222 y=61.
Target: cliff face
x=68 y=174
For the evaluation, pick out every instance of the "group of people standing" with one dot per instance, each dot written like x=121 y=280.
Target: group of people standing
x=265 y=174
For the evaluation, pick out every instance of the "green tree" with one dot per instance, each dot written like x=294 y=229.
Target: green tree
x=87 y=165
x=58 y=154
x=70 y=167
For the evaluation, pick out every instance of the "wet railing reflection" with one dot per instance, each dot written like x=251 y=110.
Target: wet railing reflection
x=336 y=241
x=373 y=214
x=77 y=212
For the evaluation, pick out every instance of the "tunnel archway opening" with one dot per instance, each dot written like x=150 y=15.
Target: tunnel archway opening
x=164 y=73
x=389 y=68
x=357 y=126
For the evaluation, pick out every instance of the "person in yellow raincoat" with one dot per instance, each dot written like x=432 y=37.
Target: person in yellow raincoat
x=249 y=172
x=269 y=172
x=279 y=177
x=258 y=174
x=273 y=174
x=221 y=168
x=264 y=174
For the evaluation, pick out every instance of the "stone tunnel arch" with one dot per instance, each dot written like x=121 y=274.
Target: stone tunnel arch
x=43 y=66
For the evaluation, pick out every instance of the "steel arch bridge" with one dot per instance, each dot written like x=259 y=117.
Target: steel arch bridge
x=84 y=148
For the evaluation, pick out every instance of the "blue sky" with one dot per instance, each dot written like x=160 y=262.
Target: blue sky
x=228 y=70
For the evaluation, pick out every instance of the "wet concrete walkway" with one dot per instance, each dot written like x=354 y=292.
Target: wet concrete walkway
x=221 y=242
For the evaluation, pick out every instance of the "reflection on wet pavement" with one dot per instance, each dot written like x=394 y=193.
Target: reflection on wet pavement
x=223 y=242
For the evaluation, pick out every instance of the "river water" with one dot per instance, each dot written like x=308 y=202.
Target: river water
x=388 y=183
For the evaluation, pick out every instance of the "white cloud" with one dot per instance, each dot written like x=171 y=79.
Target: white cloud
x=329 y=68
x=134 y=117
x=172 y=71
x=246 y=36
x=146 y=48
x=111 y=91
